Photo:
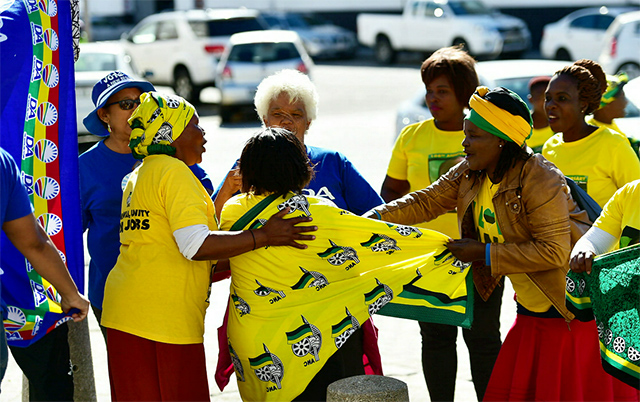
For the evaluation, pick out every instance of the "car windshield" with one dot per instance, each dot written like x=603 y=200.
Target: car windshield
x=314 y=20
x=226 y=27
x=295 y=21
x=96 y=62
x=518 y=85
x=468 y=7
x=263 y=52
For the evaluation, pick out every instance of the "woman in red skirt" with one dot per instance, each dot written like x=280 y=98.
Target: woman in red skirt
x=515 y=217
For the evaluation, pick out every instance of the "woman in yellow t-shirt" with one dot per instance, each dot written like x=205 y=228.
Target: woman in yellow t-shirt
x=541 y=131
x=422 y=153
x=596 y=158
x=157 y=293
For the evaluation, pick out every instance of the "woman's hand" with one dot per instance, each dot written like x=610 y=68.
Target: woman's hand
x=284 y=232
x=75 y=301
x=582 y=261
x=466 y=250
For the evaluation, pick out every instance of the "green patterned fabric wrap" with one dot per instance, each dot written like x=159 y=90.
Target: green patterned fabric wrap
x=613 y=293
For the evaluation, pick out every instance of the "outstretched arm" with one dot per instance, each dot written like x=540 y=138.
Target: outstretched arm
x=32 y=241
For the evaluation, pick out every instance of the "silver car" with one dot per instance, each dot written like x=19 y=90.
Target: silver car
x=252 y=56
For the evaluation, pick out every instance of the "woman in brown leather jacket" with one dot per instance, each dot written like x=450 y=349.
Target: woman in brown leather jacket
x=514 y=214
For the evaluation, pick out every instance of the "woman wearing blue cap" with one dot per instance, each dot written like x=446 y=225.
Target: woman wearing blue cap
x=104 y=170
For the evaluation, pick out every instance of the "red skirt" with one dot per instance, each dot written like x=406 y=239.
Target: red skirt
x=542 y=360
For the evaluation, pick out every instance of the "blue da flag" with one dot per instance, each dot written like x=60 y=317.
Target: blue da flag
x=38 y=128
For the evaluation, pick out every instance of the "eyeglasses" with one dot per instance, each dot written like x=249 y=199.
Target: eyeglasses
x=125 y=104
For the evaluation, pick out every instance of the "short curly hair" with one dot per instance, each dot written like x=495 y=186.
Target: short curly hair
x=591 y=81
x=275 y=161
x=292 y=82
x=459 y=68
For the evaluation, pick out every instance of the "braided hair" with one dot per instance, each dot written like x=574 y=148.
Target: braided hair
x=591 y=81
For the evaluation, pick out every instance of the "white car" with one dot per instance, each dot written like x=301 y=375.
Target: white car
x=182 y=48
x=511 y=74
x=321 y=38
x=252 y=56
x=97 y=59
x=621 y=51
x=580 y=34
x=630 y=124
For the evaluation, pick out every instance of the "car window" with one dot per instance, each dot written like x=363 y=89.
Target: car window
x=295 y=21
x=167 y=30
x=468 y=7
x=146 y=34
x=603 y=22
x=433 y=10
x=226 y=27
x=273 y=22
x=96 y=62
x=263 y=52
x=518 y=85
x=314 y=20
x=415 y=8
x=586 y=21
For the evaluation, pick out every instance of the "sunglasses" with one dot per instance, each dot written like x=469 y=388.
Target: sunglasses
x=125 y=104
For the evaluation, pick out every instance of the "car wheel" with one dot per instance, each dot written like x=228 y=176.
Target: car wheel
x=461 y=42
x=632 y=70
x=226 y=113
x=563 y=54
x=385 y=54
x=184 y=86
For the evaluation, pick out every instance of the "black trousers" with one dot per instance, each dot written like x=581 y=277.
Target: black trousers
x=439 y=356
x=346 y=362
x=47 y=365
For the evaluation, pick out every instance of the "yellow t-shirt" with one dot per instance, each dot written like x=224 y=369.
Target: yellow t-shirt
x=538 y=137
x=620 y=217
x=421 y=154
x=488 y=230
x=600 y=163
x=153 y=291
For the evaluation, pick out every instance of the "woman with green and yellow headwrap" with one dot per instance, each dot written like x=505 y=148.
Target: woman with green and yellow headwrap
x=514 y=211
x=157 y=293
x=612 y=104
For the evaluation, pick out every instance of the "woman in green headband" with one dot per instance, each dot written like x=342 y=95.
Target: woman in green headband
x=158 y=291
x=514 y=212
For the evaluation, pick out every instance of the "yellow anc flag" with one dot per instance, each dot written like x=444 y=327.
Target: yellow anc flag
x=291 y=309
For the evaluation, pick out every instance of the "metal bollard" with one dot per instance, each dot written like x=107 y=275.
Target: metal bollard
x=368 y=388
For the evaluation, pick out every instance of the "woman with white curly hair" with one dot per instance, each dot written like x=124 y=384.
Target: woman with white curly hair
x=288 y=99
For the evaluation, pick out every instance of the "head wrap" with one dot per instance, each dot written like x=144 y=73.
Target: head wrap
x=496 y=120
x=614 y=85
x=157 y=122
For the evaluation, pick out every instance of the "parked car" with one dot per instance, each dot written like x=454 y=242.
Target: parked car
x=511 y=74
x=109 y=27
x=621 y=51
x=182 y=48
x=252 y=56
x=580 y=34
x=427 y=25
x=321 y=38
x=97 y=59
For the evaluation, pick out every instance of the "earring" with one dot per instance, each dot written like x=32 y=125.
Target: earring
x=500 y=145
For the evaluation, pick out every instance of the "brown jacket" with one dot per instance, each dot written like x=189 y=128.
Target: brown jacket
x=533 y=206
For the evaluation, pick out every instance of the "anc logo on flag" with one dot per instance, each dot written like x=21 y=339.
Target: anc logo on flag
x=265 y=291
x=411 y=291
x=237 y=364
x=381 y=243
x=268 y=367
x=304 y=340
x=297 y=203
x=343 y=330
x=310 y=279
x=338 y=255
x=405 y=230
x=240 y=305
x=378 y=297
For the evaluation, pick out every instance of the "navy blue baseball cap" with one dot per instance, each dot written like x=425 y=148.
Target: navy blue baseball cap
x=102 y=90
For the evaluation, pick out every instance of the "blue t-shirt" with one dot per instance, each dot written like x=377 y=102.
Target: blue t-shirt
x=14 y=201
x=337 y=180
x=103 y=176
